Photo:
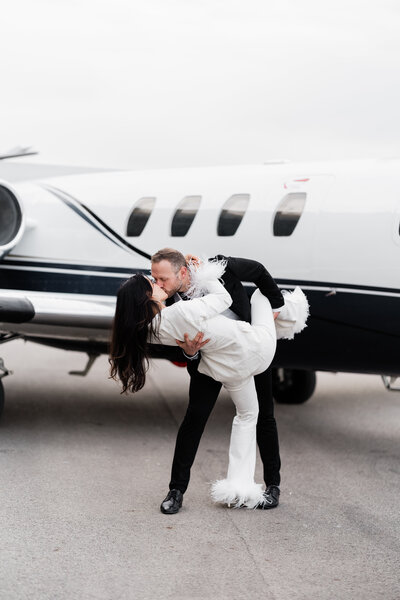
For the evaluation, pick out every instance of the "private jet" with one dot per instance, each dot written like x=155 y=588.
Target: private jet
x=68 y=241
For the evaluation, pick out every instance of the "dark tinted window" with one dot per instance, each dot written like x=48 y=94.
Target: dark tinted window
x=184 y=215
x=288 y=213
x=139 y=216
x=232 y=214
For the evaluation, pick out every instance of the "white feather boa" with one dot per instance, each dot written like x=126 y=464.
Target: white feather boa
x=208 y=270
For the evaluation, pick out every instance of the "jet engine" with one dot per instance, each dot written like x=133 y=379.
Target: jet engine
x=11 y=219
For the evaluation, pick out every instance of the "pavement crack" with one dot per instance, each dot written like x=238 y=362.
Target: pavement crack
x=271 y=596
x=241 y=537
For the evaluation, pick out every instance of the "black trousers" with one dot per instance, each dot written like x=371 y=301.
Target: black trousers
x=203 y=393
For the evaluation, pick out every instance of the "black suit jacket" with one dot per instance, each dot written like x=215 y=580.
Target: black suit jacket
x=243 y=269
x=237 y=270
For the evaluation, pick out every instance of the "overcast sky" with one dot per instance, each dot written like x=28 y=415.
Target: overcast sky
x=159 y=83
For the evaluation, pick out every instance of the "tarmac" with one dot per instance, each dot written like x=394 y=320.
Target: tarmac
x=83 y=471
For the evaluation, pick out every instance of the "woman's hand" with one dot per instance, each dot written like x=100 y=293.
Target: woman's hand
x=191 y=259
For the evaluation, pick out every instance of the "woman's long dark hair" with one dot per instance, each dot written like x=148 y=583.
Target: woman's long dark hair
x=129 y=352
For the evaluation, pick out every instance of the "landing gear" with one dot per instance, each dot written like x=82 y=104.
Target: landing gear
x=292 y=386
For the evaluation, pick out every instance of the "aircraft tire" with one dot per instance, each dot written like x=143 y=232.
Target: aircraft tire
x=296 y=387
x=1 y=398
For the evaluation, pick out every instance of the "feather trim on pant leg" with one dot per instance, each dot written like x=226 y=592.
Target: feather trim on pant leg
x=226 y=491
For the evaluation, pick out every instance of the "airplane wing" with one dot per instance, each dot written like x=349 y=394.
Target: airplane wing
x=65 y=322
x=45 y=315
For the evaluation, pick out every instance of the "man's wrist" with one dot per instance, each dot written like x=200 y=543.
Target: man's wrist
x=193 y=357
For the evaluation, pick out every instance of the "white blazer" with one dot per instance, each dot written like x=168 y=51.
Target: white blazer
x=236 y=350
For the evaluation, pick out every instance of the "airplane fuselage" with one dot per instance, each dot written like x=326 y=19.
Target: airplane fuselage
x=332 y=229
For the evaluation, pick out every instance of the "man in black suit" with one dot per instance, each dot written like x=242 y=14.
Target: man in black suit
x=170 y=272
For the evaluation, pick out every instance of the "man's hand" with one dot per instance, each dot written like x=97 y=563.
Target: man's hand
x=276 y=315
x=191 y=347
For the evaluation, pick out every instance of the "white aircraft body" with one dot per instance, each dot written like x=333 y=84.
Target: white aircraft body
x=67 y=243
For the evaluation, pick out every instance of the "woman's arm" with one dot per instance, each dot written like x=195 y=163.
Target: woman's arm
x=213 y=303
x=188 y=316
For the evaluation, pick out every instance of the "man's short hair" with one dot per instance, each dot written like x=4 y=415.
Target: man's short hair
x=174 y=257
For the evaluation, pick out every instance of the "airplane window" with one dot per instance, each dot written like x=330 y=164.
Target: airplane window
x=232 y=214
x=139 y=216
x=184 y=215
x=288 y=213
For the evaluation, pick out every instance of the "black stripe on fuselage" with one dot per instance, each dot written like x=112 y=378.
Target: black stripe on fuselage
x=350 y=307
x=334 y=286
x=93 y=220
x=63 y=282
x=38 y=264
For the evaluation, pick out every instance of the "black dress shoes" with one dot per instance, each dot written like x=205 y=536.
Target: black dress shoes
x=270 y=497
x=172 y=503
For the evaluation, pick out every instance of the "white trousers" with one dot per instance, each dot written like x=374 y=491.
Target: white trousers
x=239 y=487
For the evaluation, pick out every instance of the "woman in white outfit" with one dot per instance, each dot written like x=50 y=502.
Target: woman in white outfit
x=235 y=353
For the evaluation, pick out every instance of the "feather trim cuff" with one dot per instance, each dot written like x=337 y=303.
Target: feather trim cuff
x=199 y=276
x=293 y=316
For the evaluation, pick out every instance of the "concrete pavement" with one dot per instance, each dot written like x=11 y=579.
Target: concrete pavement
x=83 y=471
